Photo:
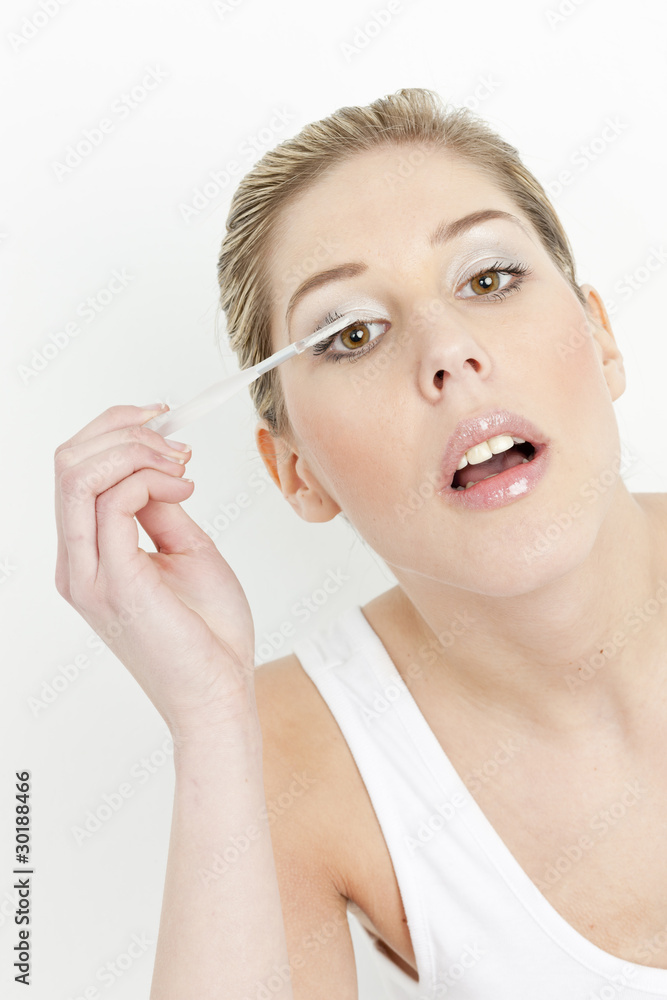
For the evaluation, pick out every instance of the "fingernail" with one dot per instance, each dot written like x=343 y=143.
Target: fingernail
x=154 y=407
x=178 y=445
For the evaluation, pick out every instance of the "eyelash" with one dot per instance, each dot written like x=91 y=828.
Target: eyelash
x=518 y=270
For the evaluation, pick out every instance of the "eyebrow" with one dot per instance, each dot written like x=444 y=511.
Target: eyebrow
x=443 y=233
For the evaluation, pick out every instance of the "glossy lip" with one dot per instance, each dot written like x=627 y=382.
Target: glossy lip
x=506 y=486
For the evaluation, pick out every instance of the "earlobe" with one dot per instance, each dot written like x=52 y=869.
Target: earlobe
x=297 y=485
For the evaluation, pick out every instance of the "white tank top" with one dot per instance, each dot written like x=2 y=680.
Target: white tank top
x=480 y=928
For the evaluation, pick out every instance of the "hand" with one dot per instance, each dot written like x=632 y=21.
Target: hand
x=177 y=618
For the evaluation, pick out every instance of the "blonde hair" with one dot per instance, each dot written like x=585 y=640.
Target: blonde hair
x=410 y=116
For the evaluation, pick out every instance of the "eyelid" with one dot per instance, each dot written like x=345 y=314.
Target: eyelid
x=359 y=312
x=496 y=262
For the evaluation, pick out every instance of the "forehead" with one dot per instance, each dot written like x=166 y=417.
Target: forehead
x=380 y=200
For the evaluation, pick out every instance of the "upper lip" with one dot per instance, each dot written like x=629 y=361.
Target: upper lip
x=474 y=430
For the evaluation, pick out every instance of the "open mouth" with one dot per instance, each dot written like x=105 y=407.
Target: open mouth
x=475 y=471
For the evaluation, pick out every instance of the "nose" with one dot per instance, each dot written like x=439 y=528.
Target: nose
x=449 y=353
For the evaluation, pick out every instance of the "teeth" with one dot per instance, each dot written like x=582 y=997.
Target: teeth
x=482 y=452
x=492 y=476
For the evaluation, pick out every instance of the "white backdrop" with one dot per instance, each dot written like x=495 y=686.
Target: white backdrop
x=210 y=83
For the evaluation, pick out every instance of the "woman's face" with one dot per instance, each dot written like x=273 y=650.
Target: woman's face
x=371 y=426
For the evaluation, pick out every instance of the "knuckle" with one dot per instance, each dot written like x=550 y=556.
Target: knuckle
x=136 y=433
x=70 y=484
x=62 y=584
x=63 y=447
x=79 y=593
x=64 y=457
x=104 y=504
x=116 y=412
x=108 y=504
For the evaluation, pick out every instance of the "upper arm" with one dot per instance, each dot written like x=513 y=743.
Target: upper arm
x=298 y=798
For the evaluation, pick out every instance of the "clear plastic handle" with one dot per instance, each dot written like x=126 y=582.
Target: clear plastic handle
x=220 y=392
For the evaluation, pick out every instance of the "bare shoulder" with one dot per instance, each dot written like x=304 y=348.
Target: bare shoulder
x=294 y=716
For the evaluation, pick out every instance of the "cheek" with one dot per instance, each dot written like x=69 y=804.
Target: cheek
x=354 y=446
x=581 y=403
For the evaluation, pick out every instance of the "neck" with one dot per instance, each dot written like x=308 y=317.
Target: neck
x=583 y=649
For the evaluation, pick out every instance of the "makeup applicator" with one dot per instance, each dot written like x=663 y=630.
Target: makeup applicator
x=220 y=392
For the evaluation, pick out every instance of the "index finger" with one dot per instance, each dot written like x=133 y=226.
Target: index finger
x=114 y=419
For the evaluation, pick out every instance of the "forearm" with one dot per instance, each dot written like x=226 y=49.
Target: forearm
x=221 y=927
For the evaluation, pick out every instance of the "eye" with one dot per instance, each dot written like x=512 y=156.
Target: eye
x=356 y=339
x=496 y=282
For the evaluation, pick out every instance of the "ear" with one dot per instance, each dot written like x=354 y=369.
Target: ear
x=611 y=358
x=292 y=476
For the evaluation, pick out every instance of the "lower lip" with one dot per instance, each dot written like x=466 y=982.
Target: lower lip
x=503 y=489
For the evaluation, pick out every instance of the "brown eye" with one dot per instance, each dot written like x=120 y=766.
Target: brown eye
x=356 y=334
x=488 y=281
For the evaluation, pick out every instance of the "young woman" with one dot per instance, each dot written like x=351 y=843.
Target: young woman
x=473 y=762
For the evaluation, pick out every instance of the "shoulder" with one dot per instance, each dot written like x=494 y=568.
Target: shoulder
x=294 y=717
x=305 y=766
